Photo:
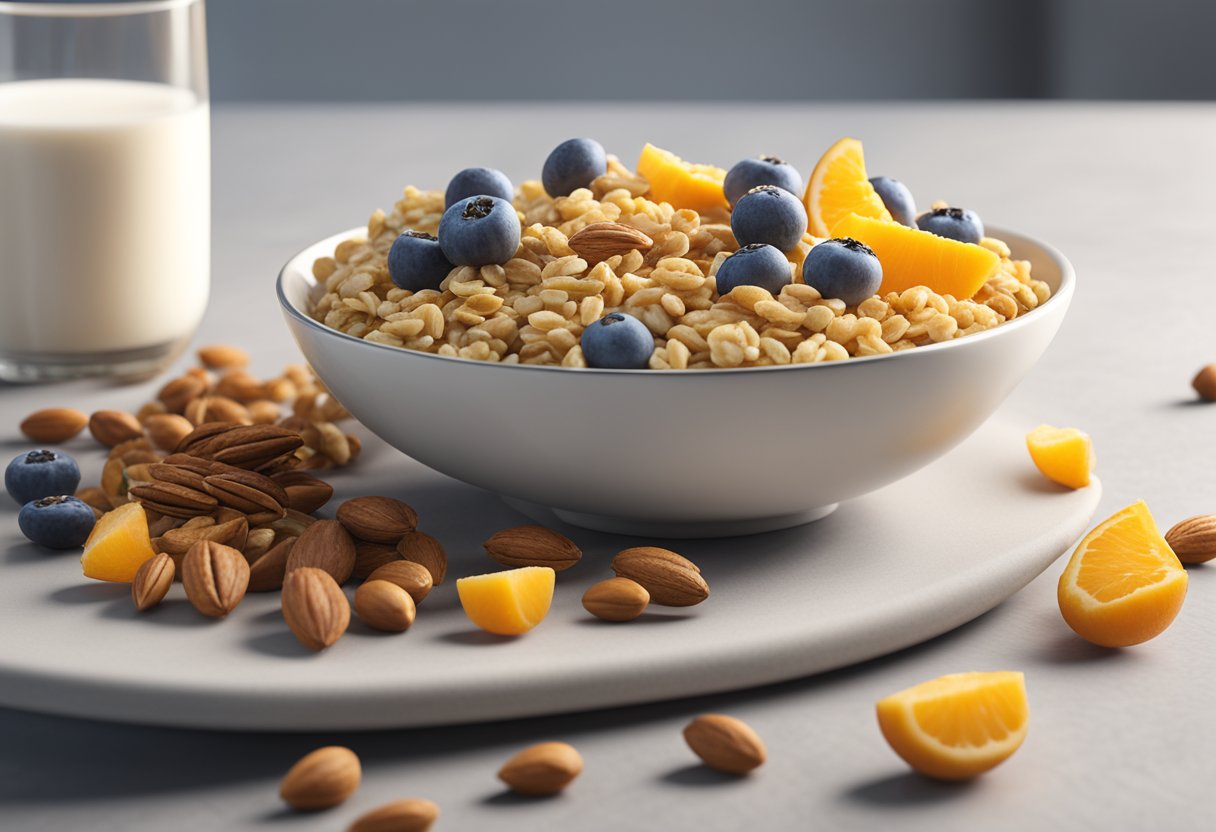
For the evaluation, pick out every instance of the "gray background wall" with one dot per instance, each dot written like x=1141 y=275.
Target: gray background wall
x=712 y=49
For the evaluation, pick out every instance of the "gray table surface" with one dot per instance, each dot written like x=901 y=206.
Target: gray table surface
x=1118 y=739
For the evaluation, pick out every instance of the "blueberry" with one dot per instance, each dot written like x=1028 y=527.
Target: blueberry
x=479 y=231
x=478 y=182
x=56 y=522
x=416 y=262
x=955 y=223
x=844 y=269
x=39 y=474
x=768 y=214
x=752 y=173
x=754 y=265
x=898 y=199
x=617 y=342
x=572 y=165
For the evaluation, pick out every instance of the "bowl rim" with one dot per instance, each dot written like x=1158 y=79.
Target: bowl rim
x=1059 y=298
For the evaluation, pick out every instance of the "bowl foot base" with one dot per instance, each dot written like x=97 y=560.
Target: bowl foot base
x=664 y=529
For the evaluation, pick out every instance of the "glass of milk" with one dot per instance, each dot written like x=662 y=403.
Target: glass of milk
x=105 y=186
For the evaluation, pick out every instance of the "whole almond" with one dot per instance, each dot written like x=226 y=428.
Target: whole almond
x=533 y=545
x=420 y=547
x=616 y=599
x=222 y=357
x=240 y=386
x=263 y=412
x=1205 y=383
x=245 y=446
x=671 y=580
x=215 y=578
x=95 y=498
x=152 y=581
x=54 y=425
x=113 y=427
x=232 y=533
x=325 y=545
x=601 y=240
x=545 y=768
x=377 y=519
x=322 y=779
x=725 y=743
x=267 y=571
x=167 y=430
x=384 y=606
x=412 y=577
x=305 y=493
x=150 y=409
x=1194 y=539
x=371 y=556
x=314 y=606
x=259 y=543
x=180 y=392
x=409 y=815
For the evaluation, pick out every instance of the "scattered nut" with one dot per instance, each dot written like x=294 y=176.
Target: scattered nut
x=533 y=545
x=113 y=427
x=385 y=606
x=1205 y=383
x=152 y=581
x=325 y=545
x=1194 y=539
x=54 y=425
x=222 y=357
x=671 y=580
x=377 y=519
x=322 y=779
x=421 y=548
x=542 y=769
x=167 y=430
x=314 y=606
x=409 y=815
x=412 y=577
x=616 y=599
x=725 y=743
x=215 y=578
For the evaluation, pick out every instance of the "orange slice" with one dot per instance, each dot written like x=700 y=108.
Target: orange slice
x=507 y=603
x=118 y=545
x=1063 y=455
x=911 y=257
x=838 y=187
x=682 y=184
x=1123 y=584
x=957 y=726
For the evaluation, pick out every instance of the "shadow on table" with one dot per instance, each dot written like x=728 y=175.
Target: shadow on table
x=897 y=791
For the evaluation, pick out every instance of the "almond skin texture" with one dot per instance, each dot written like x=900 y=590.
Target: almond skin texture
x=542 y=769
x=152 y=582
x=321 y=779
x=533 y=546
x=180 y=392
x=54 y=425
x=412 y=577
x=305 y=493
x=167 y=430
x=725 y=743
x=215 y=578
x=377 y=519
x=314 y=607
x=601 y=240
x=409 y=815
x=371 y=556
x=1205 y=383
x=385 y=606
x=1194 y=539
x=671 y=580
x=222 y=357
x=616 y=599
x=113 y=427
x=421 y=548
x=325 y=545
x=266 y=573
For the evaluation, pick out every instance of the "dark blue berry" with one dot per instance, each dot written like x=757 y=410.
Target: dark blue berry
x=617 y=342
x=771 y=215
x=898 y=199
x=478 y=182
x=479 y=231
x=416 y=262
x=56 y=522
x=38 y=474
x=955 y=223
x=754 y=265
x=752 y=173
x=844 y=269
x=572 y=165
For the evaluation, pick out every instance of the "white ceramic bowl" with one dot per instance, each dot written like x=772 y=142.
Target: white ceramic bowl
x=694 y=453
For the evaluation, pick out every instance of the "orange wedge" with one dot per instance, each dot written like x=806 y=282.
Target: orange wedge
x=1123 y=584
x=957 y=726
x=118 y=545
x=682 y=184
x=838 y=187
x=508 y=603
x=911 y=257
x=1063 y=455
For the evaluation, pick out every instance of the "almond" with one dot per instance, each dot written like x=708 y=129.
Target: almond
x=148 y=410
x=322 y=779
x=423 y=549
x=180 y=392
x=113 y=427
x=257 y=496
x=385 y=606
x=267 y=571
x=152 y=581
x=1194 y=539
x=215 y=578
x=314 y=606
x=601 y=240
x=325 y=545
x=545 y=768
x=263 y=412
x=377 y=519
x=231 y=533
x=241 y=386
x=411 y=814
x=167 y=430
x=245 y=446
x=533 y=546
x=671 y=580
x=54 y=425
x=174 y=500
x=1205 y=383
x=259 y=543
x=616 y=599
x=371 y=556
x=305 y=493
x=414 y=578
x=222 y=357
x=725 y=743
x=95 y=498
x=216 y=409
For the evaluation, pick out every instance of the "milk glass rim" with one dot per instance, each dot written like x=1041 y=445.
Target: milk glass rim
x=92 y=9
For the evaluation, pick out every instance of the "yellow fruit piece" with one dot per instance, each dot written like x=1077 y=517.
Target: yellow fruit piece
x=682 y=184
x=1063 y=455
x=957 y=726
x=1123 y=584
x=507 y=603
x=118 y=545
x=838 y=187
x=911 y=257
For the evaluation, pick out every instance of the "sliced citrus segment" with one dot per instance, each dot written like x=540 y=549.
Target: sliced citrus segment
x=507 y=603
x=911 y=257
x=838 y=187
x=118 y=545
x=1063 y=455
x=682 y=184
x=1123 y=584
x=957 y=726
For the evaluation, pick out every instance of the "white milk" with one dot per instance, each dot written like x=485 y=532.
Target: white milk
x=105 y=215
